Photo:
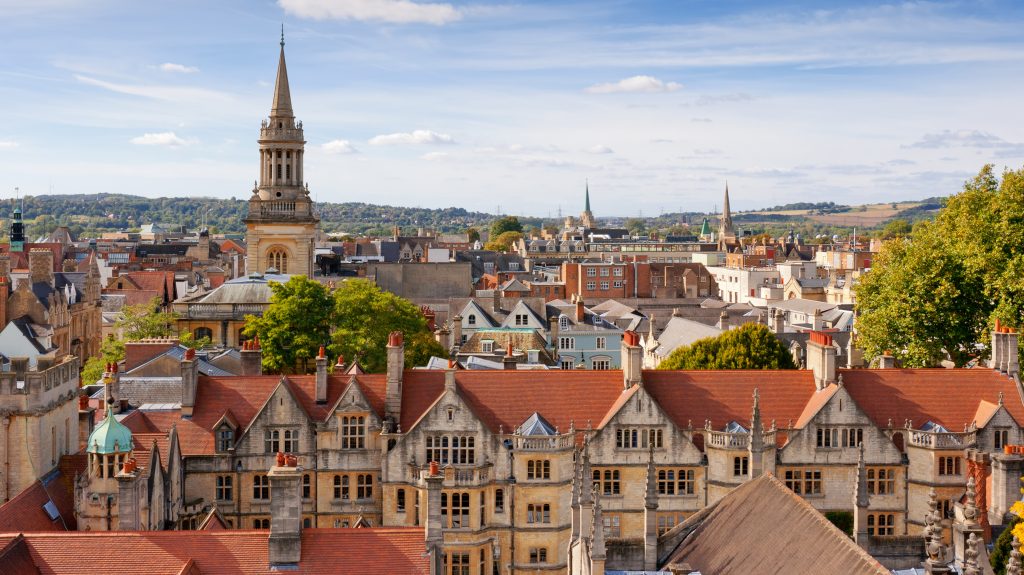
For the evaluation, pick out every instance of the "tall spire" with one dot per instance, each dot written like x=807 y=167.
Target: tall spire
x=726 y=212
x=282 y=106
x=587 y=204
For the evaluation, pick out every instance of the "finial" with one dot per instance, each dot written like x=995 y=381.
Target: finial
x=1000 y=399
x=282 y=34
x=971 y=555
x=1013 y=565
x=970 y=506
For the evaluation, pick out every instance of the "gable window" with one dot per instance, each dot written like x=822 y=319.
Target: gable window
x=471 y=320
x=260 y=487
x=224 y=488
x=563 y=322
x=522 y=319
x=634 y=438
x=453 y=449
x=538 y=469
x=272 y=440
x=225 y=438
x=353 y=432
x=829 y=437
x=487 y=346
x=1000 y=437
x=291 y=441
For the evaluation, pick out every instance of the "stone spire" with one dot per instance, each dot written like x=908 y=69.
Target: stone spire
x=282 y=107
x=971 y=555
x=756 y=444
x=586 y=205
x=597 y=546
x=726 y=233
x=934 y=548
x=587 y=217
x=650 y=514
x=1013 y=565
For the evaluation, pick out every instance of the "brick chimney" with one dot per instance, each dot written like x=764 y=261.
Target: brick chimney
x=433 y=535
x=509 y=361
x=580 y=309
x=632 y=359
x=457 y=331
x=5 y=292
x=139 y=352
x=252 y=357
x=496 y=299
x=321 y=376
x=886 y=360
x=189 y=382
x=821 y=359
x=285 y=542
x=395 y=371
x=40 y=266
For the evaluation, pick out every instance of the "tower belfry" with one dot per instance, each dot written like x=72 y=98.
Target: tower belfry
x=281 y=225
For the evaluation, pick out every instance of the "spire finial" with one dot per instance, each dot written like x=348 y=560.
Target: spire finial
x=282 y=34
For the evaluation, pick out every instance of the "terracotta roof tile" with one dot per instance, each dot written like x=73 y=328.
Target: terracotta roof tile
x=24 y=512
x=16 y=557
x=396 y=551
x=949 y=397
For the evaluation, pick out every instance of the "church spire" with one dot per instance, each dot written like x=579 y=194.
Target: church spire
x=586 y=207
x=282 y=106
x=726 y=212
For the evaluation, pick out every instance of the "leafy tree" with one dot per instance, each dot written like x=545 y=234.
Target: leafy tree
x=841 y=519
x=898 y=228
x=505 y=224
x=935 y=297
x=751 y=346
x=504 y=242
x=294 y=326
x=1001 y=549
x=111 y=351
x=144 y=320
x=472 y=235
x=636 y=226
x=365 y=316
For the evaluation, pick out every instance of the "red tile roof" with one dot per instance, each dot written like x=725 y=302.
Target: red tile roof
x=24 y=512
x=949 y=397
x=396 y=551
x=15 y=557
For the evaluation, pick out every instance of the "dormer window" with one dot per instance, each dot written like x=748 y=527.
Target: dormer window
x=563 y=322
x=225 y=438
x=487 y=346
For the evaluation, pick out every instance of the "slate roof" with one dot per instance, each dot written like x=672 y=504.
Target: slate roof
x=738 y=535
x=397 y=551
x=681 y=331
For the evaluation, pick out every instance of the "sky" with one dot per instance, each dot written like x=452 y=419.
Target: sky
x=515 y=106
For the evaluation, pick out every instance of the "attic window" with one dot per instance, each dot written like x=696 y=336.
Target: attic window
x=563 y=322
x=471 y=320
x=225 y=438
x=451 y=414
x=487 y=346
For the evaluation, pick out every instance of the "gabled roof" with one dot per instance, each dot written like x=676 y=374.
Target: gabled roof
x=46 y=505
x=680 y=332
x=396 y=550
x=536 y=425
x=748 y=518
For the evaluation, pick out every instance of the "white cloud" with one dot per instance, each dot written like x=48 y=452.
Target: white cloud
x=339 y=147
x=167 y=93
x=8 y=144
x=435 y=156
x=635 y=84
x=414 y=137
x=181 y=68
x=600 y=149
x=390 y=11
x=168 y=139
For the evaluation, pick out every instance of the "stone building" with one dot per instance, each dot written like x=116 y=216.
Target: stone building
x=281 y=226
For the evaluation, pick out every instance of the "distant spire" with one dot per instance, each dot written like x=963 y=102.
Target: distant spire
x=587 y=204
x=282 y=105
x=726 y=212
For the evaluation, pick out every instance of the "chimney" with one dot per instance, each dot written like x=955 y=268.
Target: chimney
x=509 y=361
x=457 y=331
x=40 y=266
x=553 y=328
x=997 y=361
x=189 y=382
x=1010 y=351
x=395 y=369
x=433 y=535
x=1007 y=469
x=285 y=542
x=321 y=376
x=632 y=359
x=496 y=299
x=778 y=320
x=723 y=321
x=111 y=391
x=252 y=357
x=580 y=310
x=816 y=322
x=128 y=512
x=886 y=360
x=68 y=265
x=821 y=359
x=339 y=367
x=5 y=292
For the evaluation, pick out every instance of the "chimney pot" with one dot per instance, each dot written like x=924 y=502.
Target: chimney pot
x=435 y=469
x=280 y=459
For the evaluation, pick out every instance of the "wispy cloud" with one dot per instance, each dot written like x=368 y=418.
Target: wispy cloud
x=166 y=139
x=179 y=68
x=416 y=137
x=600 y=149
x=635 y=84
x=435 y=156
x=8 y=144
x=390 y=11
x=157 y=92
x=339 y=147
x=960 y=139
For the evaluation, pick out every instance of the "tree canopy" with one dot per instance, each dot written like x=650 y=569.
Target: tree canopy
x=935 y=297
x=503 y=242
x=137 y=322
x=751 y=346
x=354 y=321
x=505 y=224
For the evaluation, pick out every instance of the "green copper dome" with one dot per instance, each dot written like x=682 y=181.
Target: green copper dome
x=110 y=436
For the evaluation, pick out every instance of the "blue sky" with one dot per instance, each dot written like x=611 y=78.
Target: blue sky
x=481 y=104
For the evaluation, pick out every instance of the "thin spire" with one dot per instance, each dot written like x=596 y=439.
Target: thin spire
x=587 y=204
x=861 y=495
x=282 y=105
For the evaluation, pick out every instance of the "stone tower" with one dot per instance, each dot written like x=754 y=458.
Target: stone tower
x=726 y=233
x=281 y=226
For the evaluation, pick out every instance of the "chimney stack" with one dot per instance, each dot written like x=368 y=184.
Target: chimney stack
x=252 y=357
x=5 y=292
x=580 y=310
x=816 y=321
x=432 y=534
x=40 y=266
x=997 y=362
x=1010 y=351
x=778 y=320
x=723 y=321
x=285 y=542
x=395 y=371
x=189 y=382
x=496 y=299
x=509 y=361
x=632 y=359
x=886 y=360
x=321 y=376
x=821 y=359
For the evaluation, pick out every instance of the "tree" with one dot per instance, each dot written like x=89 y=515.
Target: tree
x=505 y=224
x=144 y=320
x=636 y=226
x=1001 y=549
x=472 y=235
x=365 y=316
x=504 y=242
x=751 y=346
x=935 y=297
x=294 y=326
x=111 y=351
x=898 y=228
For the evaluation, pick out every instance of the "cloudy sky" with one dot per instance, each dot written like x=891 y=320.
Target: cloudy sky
x=488 y=103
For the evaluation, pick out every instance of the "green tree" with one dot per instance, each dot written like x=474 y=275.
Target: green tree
x=505 y=224
x=294 y=326
x=751 y=346
x=111 y=351
x=1001 y=549
x=935 y=297
x=365 y=316
x=504 y=242
x=472 y=235
x=144 y=320
x=898 y=228
x=636 y=226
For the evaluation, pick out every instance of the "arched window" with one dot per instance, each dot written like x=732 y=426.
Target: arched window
x=277 y=258
x=201 y=332
x=471 y=320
